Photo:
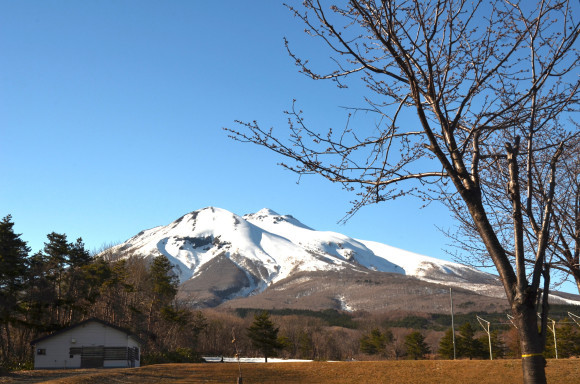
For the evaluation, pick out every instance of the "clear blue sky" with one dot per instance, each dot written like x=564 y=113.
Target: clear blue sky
x=111 y=116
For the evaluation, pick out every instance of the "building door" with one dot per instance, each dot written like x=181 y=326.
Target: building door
x=92 y=357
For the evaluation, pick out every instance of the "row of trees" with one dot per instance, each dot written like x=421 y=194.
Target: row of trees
x=468 y=344
x=263 y=334
x=291 y=336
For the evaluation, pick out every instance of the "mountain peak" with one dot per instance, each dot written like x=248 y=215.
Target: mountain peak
x=267 y=212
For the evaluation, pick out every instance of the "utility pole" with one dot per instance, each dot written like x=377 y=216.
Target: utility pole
x=575 y=318
x=452 y=324
x=486 y=329
x=553 y=329
x=240 y=379
x=511 y=319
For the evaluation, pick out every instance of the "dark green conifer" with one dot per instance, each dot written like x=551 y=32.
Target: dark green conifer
x=467 y=344
x=416 y=346
x=13 y=268
x=375 y=342
x=264 y=335
x=446 y=345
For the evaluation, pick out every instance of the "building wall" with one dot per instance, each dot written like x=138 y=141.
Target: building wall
x=135 y=344
x=57 y=348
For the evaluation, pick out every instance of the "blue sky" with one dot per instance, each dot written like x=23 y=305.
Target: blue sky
x=111 y=117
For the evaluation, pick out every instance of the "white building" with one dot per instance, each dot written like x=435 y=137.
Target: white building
x=92 y=343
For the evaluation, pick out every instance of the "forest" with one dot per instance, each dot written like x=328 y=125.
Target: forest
x=64 y=284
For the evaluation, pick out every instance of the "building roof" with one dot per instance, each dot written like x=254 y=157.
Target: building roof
x=92 y=319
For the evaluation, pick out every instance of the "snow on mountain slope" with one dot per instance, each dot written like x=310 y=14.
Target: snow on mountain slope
x=376 y=256
x=437 y=271
x=265 y=247
x=330 y=243
x=199 y=237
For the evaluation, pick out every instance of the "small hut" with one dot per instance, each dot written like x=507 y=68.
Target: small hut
x=92 y=343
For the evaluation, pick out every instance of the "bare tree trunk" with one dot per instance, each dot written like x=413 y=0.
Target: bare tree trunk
x=532 y=345
x=8 y=348
x=4 y=344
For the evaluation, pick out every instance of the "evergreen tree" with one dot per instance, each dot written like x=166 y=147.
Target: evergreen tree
x=467 y=344
x=76 y=298
x=56 y=260
x=264 y=335
x=416 y=346
x=446 y=349
x=305 y=345
x=39 y=294
x=568 y=340
x=56 y=251
x=64 y=263
x=78 y=255
x=375 y=342
x=164 y=285
x=13 y=268
x=164 y=280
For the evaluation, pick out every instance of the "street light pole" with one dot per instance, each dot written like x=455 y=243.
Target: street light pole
x=452 y=324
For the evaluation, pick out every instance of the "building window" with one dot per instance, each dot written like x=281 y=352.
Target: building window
x=41 y=351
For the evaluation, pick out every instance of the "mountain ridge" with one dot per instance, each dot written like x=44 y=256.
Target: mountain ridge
x=220 y=256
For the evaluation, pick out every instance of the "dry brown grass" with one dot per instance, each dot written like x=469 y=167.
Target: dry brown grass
x=396 y=372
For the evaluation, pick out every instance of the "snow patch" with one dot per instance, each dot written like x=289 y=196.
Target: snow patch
x=220 y=359
x=343 y=304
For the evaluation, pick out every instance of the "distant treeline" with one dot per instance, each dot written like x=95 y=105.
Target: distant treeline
x=64 y=284
x=331 y=317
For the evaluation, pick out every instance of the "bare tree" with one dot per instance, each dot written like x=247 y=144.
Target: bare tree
x=487 y=84
x=564 y=232
x=566 y=237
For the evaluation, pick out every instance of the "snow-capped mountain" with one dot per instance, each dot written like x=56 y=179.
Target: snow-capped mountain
x=219 y=256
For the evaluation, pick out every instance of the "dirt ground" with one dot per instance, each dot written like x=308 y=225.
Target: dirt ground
x=396 y=372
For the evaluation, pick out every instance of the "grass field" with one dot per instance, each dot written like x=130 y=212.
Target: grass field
x=408 y=372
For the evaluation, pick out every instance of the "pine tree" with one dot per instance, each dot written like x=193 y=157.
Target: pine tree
x=446 y=349
x=264 y=335
x=164 y=285
x=164 y=280
x=56 y=260
x=39 y=294
x=467 y=344
x=416 y=346
x=63 y=263
x=78 y=255
x=305 y=345
x=13 y=268
x=13 y=254
x=375 y=342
